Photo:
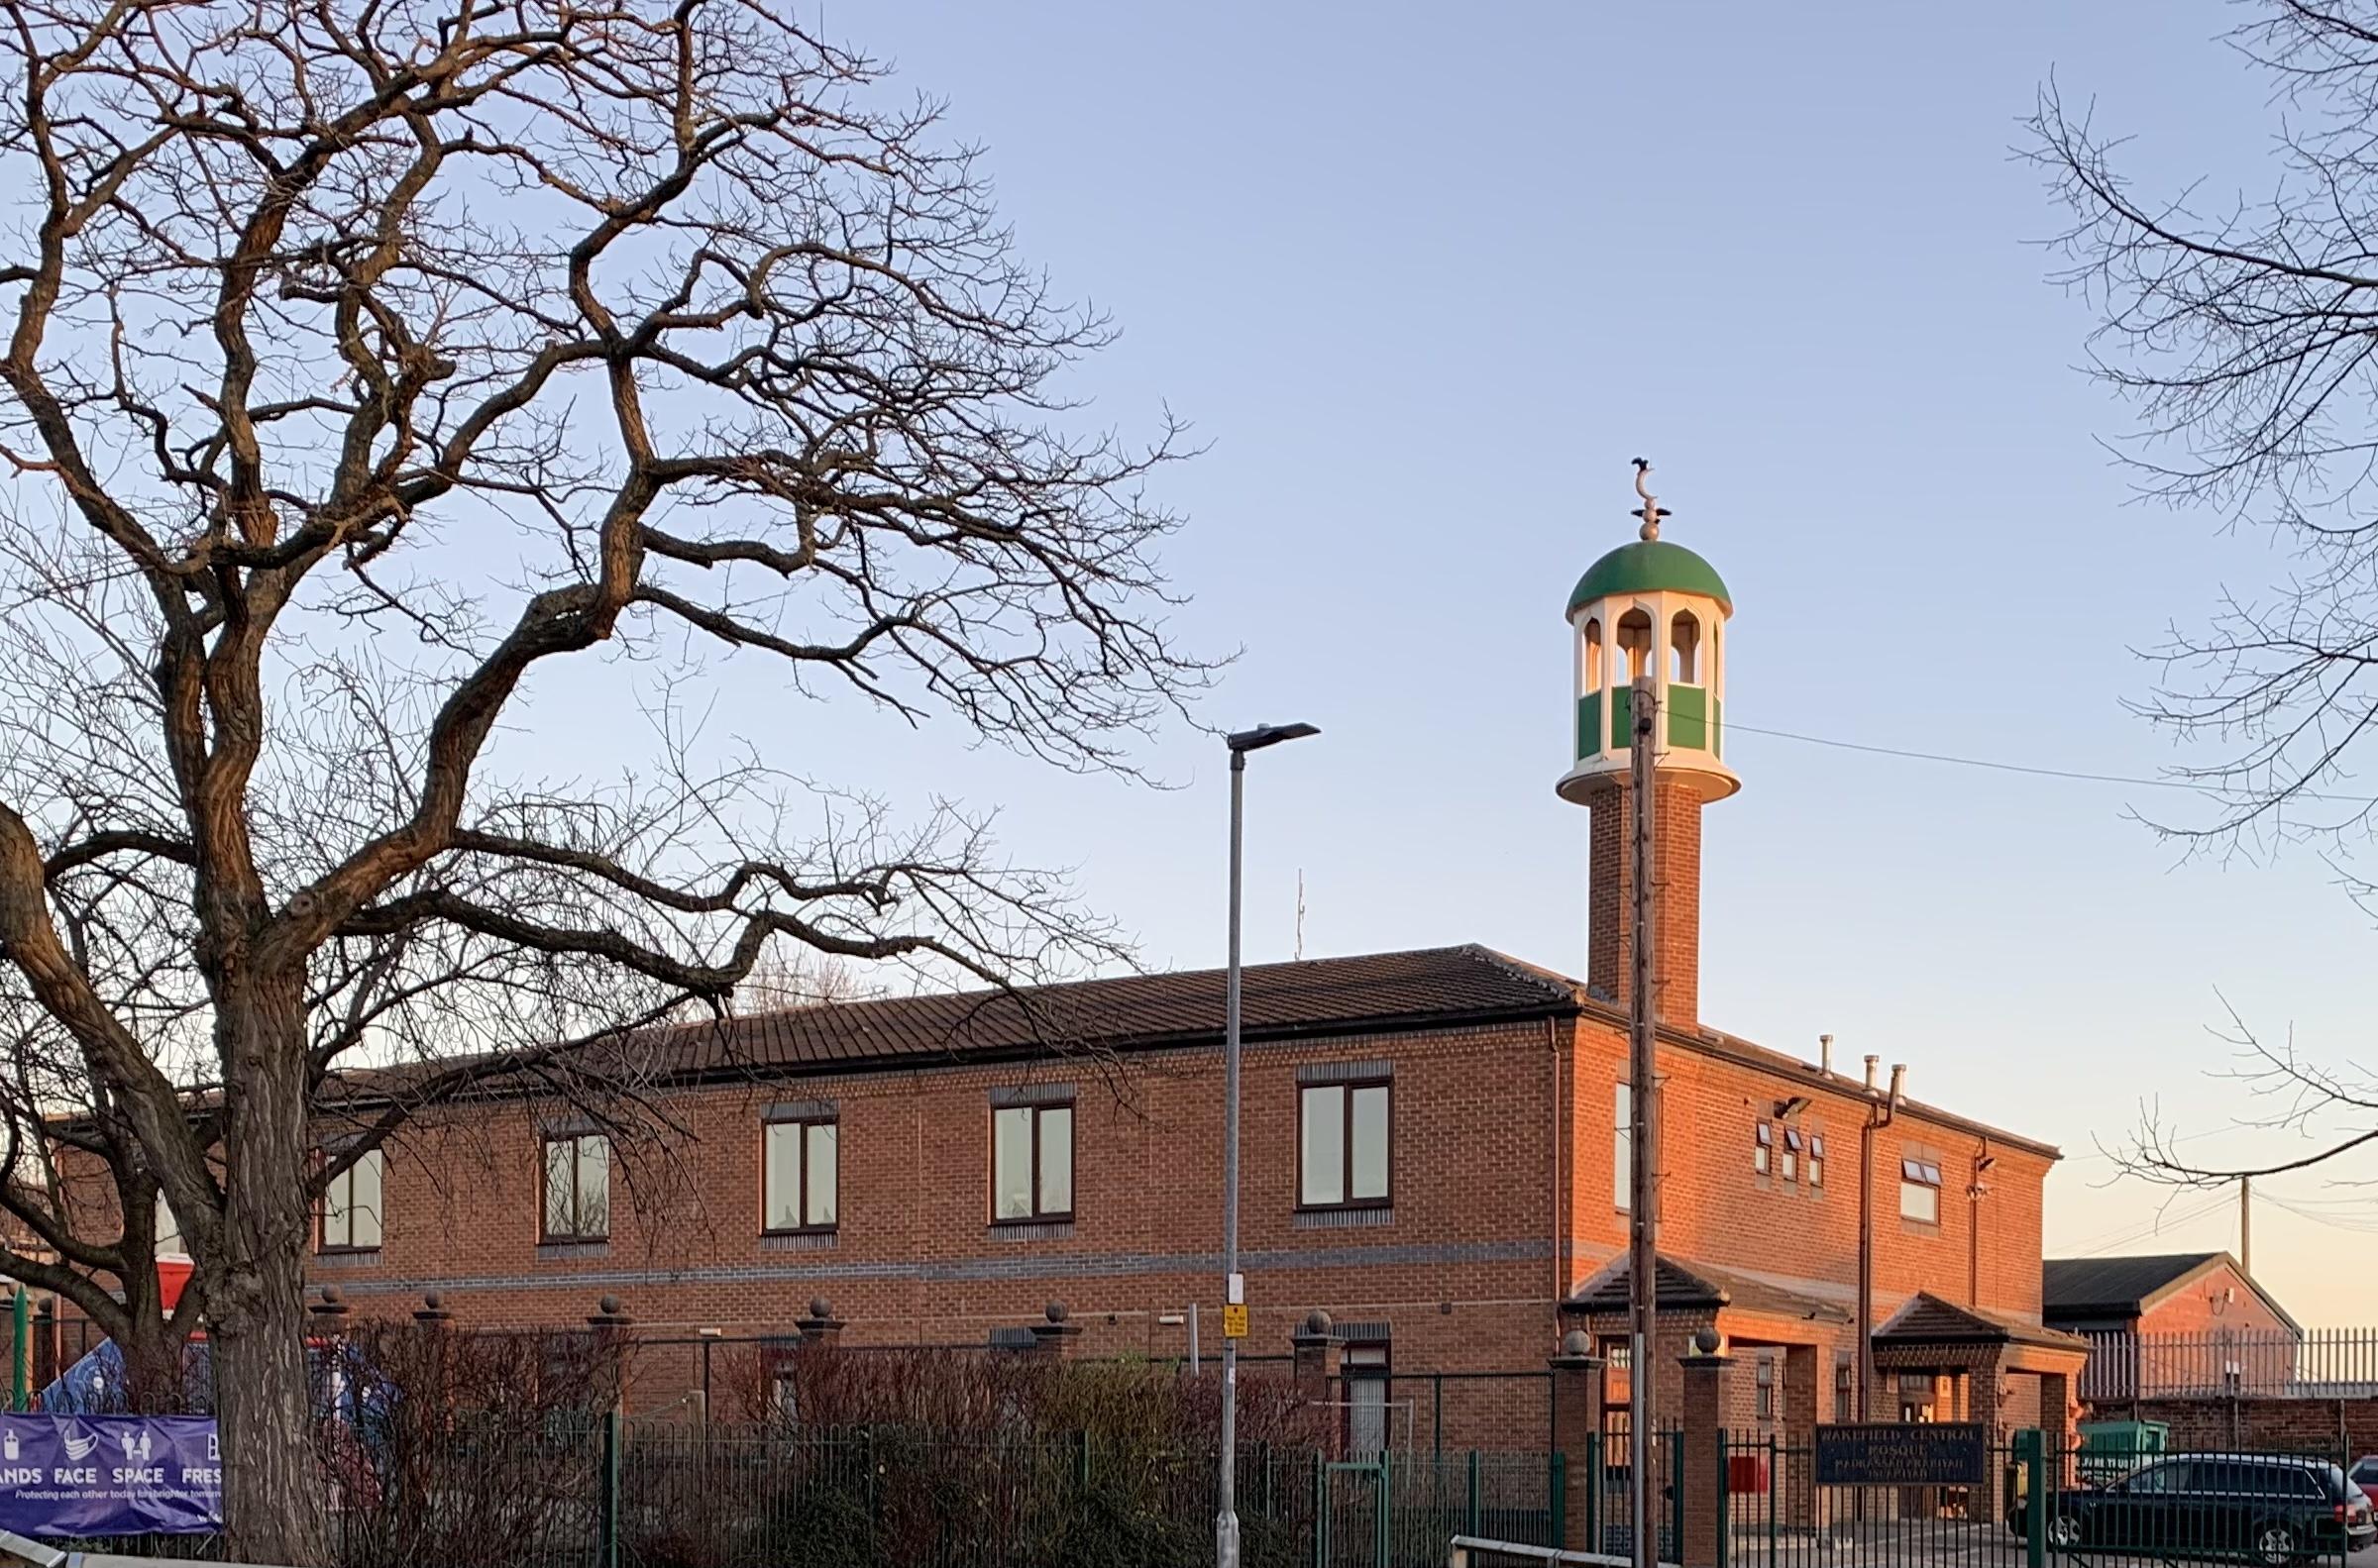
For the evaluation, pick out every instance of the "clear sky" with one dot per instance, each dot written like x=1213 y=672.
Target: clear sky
x=1425 y=278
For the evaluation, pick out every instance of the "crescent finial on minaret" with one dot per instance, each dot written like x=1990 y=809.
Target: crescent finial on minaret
x=1650 y=511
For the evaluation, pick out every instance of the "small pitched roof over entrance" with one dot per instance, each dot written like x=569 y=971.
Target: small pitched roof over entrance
x=2076 y=1289
x=1928 y=1320
x=1684 y=1288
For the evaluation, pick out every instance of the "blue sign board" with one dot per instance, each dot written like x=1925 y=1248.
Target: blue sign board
x=110 y=1475
x=1901 y=1454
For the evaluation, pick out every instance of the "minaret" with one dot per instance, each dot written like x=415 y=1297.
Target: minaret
x=1657 y=608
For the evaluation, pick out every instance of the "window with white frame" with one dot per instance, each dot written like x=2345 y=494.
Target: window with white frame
x=1919 y=1190
x=351 y=1205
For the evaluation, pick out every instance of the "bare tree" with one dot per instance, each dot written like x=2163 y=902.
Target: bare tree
x=373 y=366
x=2245 y=333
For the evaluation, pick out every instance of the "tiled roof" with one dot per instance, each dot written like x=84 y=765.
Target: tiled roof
x=1132 y=1011
x=2078 y=1289
x=1926 y=1319
x=2114 y=1287
x=1686 y=1287
x=1385 y=991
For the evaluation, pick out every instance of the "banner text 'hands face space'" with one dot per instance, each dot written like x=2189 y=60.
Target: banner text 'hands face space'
x=110 y=1475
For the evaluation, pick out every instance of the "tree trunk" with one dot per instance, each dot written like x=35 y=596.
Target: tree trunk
x=153 y=1384
x=272 y=1491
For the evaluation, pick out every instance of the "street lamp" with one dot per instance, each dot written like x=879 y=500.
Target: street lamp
x=1234 y=1288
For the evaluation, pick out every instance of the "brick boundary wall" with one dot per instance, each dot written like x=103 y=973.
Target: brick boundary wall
x=2323 y=1426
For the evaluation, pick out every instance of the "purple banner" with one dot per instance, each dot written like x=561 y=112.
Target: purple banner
x=110 y=1475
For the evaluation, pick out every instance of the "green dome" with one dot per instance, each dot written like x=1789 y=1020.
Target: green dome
x=1650 y=566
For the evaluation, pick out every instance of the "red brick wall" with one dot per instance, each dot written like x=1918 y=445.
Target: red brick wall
x=1719 y=1211
x=2319 y=1427
x=1491 y=1125
x=2221 y=1300
x=915 y=1259
x=1676 y=908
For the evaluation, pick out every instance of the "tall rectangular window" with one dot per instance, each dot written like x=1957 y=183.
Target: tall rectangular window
x=802 y=1161
x=351 y=1207
x=1816 y=1159
x=1343 y=1141
x=1919 y=1190
x=578 y=1188
x=1032 y=1162
x=1764 y=1387
x=1622 y=1148
x=1843 y=1386
x=1791 y=1154
x=1763 y=1151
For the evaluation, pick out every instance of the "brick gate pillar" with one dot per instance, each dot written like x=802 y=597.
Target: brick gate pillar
x=1054 y=1335
x=1704 y=1482
x=1794 y=1493
x=1983 y=1402
x=1317 y=1356
x=2056 y=1421
x=1576 y=1430
x=820 y=1329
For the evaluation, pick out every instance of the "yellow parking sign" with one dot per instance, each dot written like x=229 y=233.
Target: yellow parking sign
x=1234 y=1320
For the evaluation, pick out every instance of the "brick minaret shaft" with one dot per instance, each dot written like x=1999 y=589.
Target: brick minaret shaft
x=1676 y=911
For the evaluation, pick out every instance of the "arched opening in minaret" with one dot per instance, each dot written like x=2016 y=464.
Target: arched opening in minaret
x=1635 y=641
x=1593 y=680
x=1684 y=649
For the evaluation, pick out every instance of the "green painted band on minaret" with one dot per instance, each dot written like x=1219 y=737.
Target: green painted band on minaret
x=1651 y=565
x=1695 y=720
x=1688 y=717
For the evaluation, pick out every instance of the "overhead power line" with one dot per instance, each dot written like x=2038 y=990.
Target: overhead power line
x=2075 y=774
x=2106 y=1243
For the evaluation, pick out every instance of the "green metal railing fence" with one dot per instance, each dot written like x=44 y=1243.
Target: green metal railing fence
x=608 y=1492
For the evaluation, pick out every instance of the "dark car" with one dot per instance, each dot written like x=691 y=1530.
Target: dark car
x=2266 y=1509
x=2364 y=1475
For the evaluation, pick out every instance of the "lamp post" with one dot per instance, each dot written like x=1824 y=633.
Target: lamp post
x=1234 y=1292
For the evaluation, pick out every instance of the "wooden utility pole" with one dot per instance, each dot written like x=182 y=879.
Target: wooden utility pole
x=1642 y=1129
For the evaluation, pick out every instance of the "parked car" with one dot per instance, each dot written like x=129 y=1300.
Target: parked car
x=2364 y=1475
x=2271 y=1510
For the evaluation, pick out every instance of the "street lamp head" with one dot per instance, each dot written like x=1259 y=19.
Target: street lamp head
x=1263 y=735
